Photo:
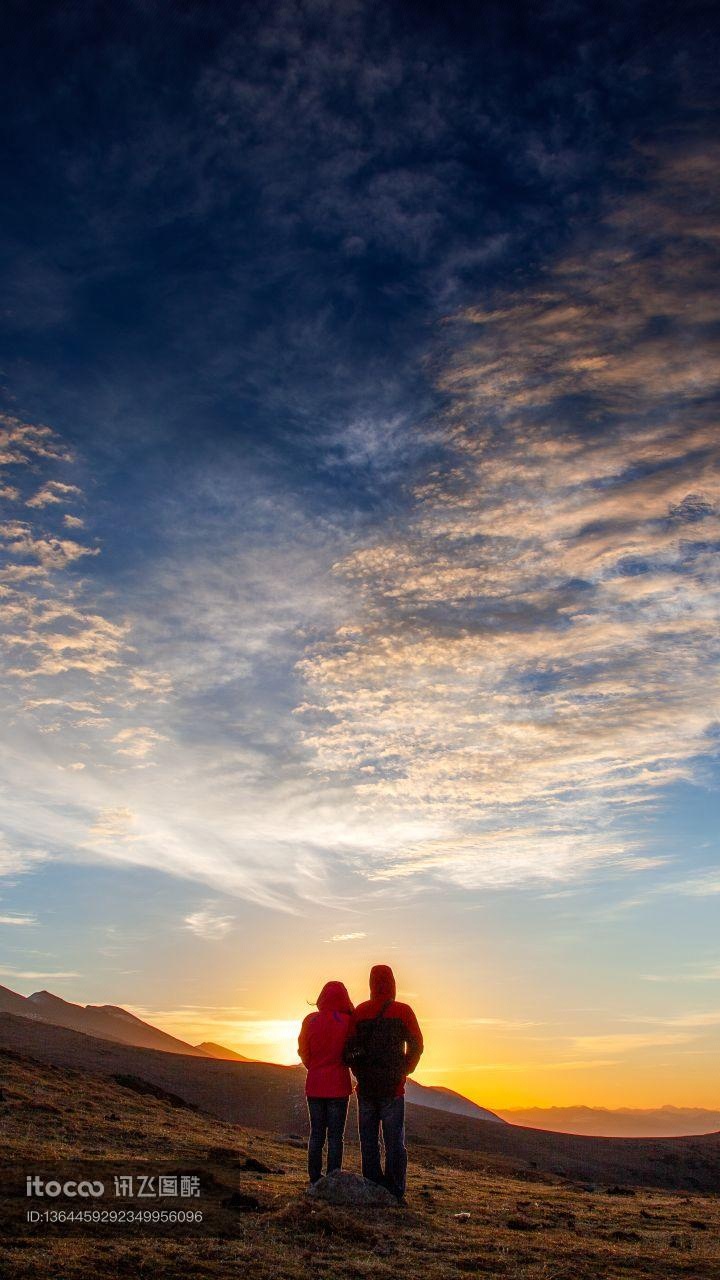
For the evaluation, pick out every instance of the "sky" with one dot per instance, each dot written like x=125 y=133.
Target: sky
x=360 y=486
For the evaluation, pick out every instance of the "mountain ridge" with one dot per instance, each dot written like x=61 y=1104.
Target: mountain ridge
x=104 y=1021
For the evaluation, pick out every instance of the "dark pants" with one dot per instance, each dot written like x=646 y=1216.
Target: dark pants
x=387 y=1114
x=327 y=1120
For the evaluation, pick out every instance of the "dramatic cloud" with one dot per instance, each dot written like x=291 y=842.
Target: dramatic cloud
x=535 y=644
x=493 y=684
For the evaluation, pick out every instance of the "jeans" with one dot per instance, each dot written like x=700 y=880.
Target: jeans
x=388 y=1114
x=327 y=1120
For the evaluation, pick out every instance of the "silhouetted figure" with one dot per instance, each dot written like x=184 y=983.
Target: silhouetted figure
x=323 y=1036
x=384 y=1048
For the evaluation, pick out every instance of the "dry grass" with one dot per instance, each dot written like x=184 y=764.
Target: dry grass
x=58 y=1122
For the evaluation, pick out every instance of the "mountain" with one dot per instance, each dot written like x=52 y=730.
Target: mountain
x=11 y=1002
x=622 y=1122
x=105 y=1020
x=436 y=1097
x=219 y=1051
x=271 y=1098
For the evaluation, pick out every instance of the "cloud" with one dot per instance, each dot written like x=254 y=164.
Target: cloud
x=630 y=1042
x=208 y=924
x=49 y=551
x=504 y=1024
x=19 y=857
x=705 y=885
x=700 y=973
x=563 y=1064
x=39 y=975
x=65 y=653
x=527 y=663
x=346 y=937
x=704 y=1018
x=137 y=742
x=112 y=825
x=55 y=491
x=491 y=680
x=25 y=442
x=18 y=920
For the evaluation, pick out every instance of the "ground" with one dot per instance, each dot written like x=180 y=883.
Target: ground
x=68 y=1124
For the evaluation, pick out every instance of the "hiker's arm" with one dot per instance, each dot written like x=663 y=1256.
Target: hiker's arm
x=414 y=1039
x=304 y=1042
x=349 y=1045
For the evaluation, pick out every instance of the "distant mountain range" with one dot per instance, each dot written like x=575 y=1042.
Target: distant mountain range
x=622 y=1122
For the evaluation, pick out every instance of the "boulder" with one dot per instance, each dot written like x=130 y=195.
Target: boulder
x=350 y=1188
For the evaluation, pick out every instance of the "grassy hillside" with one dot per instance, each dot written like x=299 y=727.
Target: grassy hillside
x=271 y=1097
x=71 y=1124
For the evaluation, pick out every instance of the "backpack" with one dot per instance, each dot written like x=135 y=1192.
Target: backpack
x=376 y=1055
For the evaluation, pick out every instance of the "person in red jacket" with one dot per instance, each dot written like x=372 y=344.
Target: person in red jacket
x=384 y=1048
x=328 y=1086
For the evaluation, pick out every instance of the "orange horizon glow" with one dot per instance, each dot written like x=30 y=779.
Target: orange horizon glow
x=491 y=1071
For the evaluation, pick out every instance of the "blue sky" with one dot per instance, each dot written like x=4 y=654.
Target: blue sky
x=361 y=498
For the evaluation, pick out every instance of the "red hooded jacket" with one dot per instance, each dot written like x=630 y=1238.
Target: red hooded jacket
x=382 y=990
x=322 y=1040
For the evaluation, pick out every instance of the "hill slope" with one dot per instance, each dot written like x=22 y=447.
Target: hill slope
x=270 y=1097
x=526 y=1227
x=219 y=1051
x=105 y=1020
x=441 y=1099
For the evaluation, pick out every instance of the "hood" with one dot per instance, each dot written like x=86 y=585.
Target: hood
x=334 y=998
x=382 y=982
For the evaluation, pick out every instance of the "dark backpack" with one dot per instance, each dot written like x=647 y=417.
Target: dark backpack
x=376 y=1055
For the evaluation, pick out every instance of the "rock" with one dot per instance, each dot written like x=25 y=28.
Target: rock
x=462 y=1217
x=255 y=1166
x=350 y=1188
x=147 y=1088
x=243 y=1203
x=223 y=1155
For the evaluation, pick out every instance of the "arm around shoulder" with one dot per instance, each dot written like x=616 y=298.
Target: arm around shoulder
x=415 y=1044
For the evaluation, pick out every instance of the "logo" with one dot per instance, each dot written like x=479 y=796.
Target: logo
x=37 y=1186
